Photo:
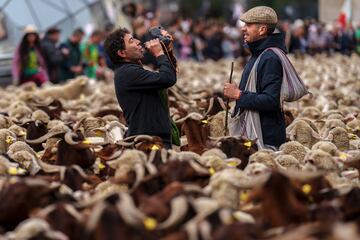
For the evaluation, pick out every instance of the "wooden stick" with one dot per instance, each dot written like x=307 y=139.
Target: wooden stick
x=227 y=103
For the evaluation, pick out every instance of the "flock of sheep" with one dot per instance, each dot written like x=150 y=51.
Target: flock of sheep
x=68 y=172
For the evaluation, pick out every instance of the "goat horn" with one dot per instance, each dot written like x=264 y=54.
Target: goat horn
x=221 y=101
x=211 y=104
x=205 y=230
x=115 y=124
x=69 y=138
x=179 y=208
x=49 y=168
x=143 y=137
x=193 y=115
x=95 y=216
x=43 y=138
x=77 y=125
x=128 y=210
x=151 y=168
x=124 y=143
x=196 y=166
x=140 y=173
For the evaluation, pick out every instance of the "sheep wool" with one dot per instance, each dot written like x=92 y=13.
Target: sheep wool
x=295 y=149
x=326 y=146
x=339 y=136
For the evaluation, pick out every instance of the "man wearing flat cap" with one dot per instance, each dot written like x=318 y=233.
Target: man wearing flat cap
x=258 y=31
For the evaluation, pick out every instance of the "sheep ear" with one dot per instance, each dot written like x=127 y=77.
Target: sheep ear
x=330 y=137
x=315 y=134
x=292 y=134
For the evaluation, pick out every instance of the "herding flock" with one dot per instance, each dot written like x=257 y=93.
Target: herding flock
x=68 y=172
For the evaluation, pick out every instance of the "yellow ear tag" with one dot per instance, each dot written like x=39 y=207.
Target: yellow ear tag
x=248 y=144
x=343 y=156
x=244 y=195
x=232 y=164
x=101 y=166
x=155 y=147
x=9 y=140
x=306 y=188
x=82 y=97
x=211 y=171
x=16 y=171
x=204 y=121
x=86 y=141
x=12 y=171
x=150 y=223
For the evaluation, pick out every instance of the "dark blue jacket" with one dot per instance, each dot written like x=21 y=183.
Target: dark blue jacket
x=137 y=93
x=266 y=100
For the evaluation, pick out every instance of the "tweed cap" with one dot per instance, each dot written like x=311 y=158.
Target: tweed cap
x=260 y=14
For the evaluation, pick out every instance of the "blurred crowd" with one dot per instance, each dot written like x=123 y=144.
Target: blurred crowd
x=41 y=59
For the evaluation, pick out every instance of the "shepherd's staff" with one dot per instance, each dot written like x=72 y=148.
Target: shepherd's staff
x=227 y=103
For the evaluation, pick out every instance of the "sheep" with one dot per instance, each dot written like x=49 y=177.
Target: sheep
x=311 y=112
x=209 y=157
x=256 y=169
x=20 y=132
x=295 y=149
x=225 y=187
x=265 y=157
x=320 y=160
x=71 y=90
x=19 y=113
x=332 y=123
x=339 y=136
x=216 y=124
x=129 y=160
x=7 y=137
x=27 y=161
x=5 y=121
x=354 y=125
x=40 y=115
x=287 y=161
x=301 y=131
x=326 y=146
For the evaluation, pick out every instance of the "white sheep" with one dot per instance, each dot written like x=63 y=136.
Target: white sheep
x=294 y=149
x=339 y=136
x=302 y=132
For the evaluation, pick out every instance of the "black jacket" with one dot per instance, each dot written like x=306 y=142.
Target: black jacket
x=53 y=58
x=137 y=93
x=266 y=100
x=71 y=60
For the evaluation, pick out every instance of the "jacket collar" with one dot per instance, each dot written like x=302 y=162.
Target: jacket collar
x=274 y=40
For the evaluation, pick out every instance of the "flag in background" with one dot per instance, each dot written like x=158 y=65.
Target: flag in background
x=345 y=13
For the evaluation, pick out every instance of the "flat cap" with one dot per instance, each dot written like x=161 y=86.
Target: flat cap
x=260 y=14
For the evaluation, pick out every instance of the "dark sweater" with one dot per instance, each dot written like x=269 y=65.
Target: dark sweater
x=137 y=93
x=266 y=100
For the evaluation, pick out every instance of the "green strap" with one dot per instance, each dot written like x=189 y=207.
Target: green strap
x=175 y=134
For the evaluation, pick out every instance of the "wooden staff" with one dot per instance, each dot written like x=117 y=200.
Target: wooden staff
x=227 y=103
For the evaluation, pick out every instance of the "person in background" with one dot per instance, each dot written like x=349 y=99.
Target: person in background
x=72 y=65
x=52 y=54
x=28 y=64
x=90 y=53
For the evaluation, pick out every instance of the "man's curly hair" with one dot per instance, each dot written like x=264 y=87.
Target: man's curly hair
x=115 y=42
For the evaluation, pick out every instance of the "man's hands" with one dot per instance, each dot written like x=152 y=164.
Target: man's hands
x=231 y=91
x=154 y=47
